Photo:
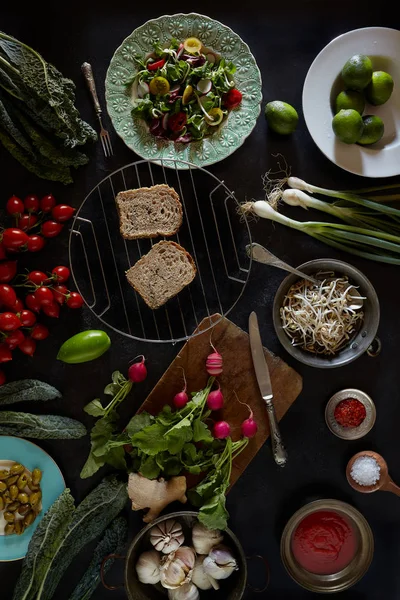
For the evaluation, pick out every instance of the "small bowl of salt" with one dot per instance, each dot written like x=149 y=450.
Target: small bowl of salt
x=368 y=472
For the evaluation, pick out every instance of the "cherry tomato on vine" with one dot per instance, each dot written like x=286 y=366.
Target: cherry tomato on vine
x=18 y=306
x=62 y=213
x=60 y=293
x=5 y=353
x=3 y=254
x=51 y=310
x=39 y=332
x=37 y=277
x=28 y=346
x=7 y=295
x=2 y=377
x=44 y=296
x=47 y=203
x=31 y=203
x=27 y=318
x=14 y=206
x=9 y=321
x=26 y=222
x=14 y=238
x=75 y=300
x=32 y=303
x=51 y=229
x=8 y=270
x=35 y=243
x=14 y=339
x=61 y=274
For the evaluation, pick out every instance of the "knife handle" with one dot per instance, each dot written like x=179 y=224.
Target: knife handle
x=278 y=449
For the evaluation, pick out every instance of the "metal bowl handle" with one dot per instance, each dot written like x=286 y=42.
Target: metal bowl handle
x=103 y=564
x=267 y=573
x=375 y=348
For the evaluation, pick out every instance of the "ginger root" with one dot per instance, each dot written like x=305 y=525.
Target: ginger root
x=155 y=494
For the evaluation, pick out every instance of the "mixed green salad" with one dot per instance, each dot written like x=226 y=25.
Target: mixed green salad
x=184 y=91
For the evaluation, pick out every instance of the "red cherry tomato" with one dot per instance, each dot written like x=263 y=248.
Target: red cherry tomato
x=60 y=293
x=3 y=254
x=51 y=310
x=232 y=98
x=14 y=339
x=177 y=122
x=2 y=377
x=18 y=306
x=26 y=222
x=31 y=203
x=156 y=65
x=51 y=229
x=62 y=213
x=14 y=238
x=28 y=346
x=5 y=353
x=75 y=300
x=39 y=332
x=14 y=206
x=61 y=274
x=8 y=270
x=35 y=243
x=32 y=303
x=37 y=277
x=7 y=295
x=27 y=318
x=44 y=296
x=47 y=203
x=9 y=321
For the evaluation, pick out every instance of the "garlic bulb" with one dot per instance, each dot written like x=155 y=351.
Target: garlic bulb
x=167 y=536
x=204 y=539
x=185 y=592
x=200 y=577
x=177 y=568
x=148 y=567
x=220 y=563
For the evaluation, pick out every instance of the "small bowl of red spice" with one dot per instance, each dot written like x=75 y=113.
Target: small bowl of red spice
x=327 y=546
x=350 y=414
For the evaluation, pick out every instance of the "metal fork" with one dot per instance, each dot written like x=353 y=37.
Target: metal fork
x=104 y=135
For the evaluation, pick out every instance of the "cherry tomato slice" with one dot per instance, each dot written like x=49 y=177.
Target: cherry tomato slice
x=8 y=270
x=158 y=64
x=9 y=321
x=233 y=98
x=14 y=206
x=7 y=295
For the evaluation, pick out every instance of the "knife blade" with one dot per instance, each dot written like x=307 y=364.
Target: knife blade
x=264 y=383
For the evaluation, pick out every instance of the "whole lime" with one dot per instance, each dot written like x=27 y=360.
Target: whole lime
x=380 y=88
x=348 y=126
x=281 y=117
x=350 y=99
x=357 y=72
x=373 y=130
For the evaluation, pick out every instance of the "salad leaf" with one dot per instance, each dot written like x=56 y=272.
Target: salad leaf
x=27 y=390
x=43 y=427
x=138 y=422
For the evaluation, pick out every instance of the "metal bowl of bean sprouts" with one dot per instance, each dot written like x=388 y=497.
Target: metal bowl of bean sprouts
x=315 y=323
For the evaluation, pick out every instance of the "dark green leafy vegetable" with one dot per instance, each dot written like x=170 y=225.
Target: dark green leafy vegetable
x=27 y=390
x=43 y=427
x=113 y=542
x=62 y=534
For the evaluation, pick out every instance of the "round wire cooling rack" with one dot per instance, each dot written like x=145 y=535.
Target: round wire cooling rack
x=213 y=232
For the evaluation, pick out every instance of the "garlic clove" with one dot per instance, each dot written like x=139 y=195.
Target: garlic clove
x=220 y=563
x=148 y=567
x=177 y=567
x=186 y=555
x=204 y=539
x=185 y=592
x=200 y=577
x=167 y=536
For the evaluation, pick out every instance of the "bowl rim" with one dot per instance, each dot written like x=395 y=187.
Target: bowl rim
x=363 y=342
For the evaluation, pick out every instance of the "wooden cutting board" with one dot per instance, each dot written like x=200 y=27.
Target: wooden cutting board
x=238 y=376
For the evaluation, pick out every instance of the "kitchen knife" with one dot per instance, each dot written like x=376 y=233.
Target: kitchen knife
x=264 y=383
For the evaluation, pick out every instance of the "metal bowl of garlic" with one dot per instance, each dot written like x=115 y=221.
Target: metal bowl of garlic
x=231 y=588
x=363 y=340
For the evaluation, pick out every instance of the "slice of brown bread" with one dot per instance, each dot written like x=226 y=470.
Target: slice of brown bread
x=162 y=273
x=149 y=212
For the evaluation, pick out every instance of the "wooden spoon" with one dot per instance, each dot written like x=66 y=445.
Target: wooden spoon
x=385 y=483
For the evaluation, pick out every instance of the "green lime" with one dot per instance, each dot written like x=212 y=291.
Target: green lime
x=357 y=72
x=281 y=117
x=348 y=126
x=350 y=99
x=380 y=88
x=373 y=130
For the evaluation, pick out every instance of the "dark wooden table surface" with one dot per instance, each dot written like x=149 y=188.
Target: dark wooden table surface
x=285 y=38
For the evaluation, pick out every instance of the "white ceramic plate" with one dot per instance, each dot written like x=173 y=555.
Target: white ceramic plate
x=322 y=84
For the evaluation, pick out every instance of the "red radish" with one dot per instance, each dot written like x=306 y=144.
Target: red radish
x=138 y=372
x=249 y=426
x=143 y=89
x=215 y=400
x=2 y=377
x=214 y=363
x=181 y=398
x=221 y=430
x=204 y=86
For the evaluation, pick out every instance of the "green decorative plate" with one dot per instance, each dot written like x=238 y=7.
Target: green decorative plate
x=240 y=122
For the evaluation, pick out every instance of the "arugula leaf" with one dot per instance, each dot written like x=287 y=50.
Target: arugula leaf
x=94 y=408
x=27 y=390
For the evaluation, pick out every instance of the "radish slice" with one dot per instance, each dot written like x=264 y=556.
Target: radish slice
x=204 y=86
x=211 y=58
x=143 y=89
x=165 y=121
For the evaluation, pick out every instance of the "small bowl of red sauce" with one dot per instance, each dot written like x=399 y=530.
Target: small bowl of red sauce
x=327 y=546
x=350 y=414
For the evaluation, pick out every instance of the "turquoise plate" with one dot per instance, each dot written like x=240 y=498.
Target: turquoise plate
x=14 y=547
